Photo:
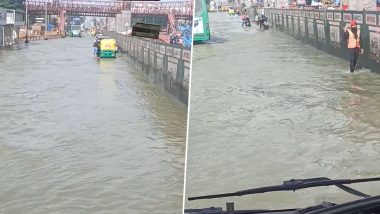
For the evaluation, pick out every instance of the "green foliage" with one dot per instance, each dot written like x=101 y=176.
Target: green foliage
x=12 y=4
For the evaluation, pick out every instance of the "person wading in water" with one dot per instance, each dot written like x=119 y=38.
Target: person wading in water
x=352 y=37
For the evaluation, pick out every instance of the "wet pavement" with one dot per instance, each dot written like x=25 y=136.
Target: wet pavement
x=267 y=108
x=81 y=135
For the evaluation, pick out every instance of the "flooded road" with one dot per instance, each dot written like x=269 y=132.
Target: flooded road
x=266 y=108
x=78 y=135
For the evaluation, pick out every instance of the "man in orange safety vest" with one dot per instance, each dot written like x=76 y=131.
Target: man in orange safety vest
x=352 y=36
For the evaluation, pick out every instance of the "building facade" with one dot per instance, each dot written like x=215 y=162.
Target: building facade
x=10 y=23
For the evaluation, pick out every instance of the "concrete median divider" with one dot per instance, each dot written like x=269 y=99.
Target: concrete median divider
x=164 y=64
x=36 y=38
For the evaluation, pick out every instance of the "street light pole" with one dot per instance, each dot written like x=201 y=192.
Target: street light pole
x=26 y=22
x=45 y=20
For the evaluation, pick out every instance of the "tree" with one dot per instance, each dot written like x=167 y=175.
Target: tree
x=12 y=4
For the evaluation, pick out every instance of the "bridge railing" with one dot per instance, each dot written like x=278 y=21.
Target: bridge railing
x=78 y=6
x=111 y=7
x=168 y=65
x=324 y=30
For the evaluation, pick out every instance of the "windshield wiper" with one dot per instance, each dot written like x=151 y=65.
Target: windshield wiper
x=296 y=184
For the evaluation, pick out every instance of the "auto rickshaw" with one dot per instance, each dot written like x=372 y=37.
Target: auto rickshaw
x=231 y=11
x=108 y=48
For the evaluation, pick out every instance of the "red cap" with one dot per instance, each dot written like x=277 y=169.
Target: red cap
x=353 y=23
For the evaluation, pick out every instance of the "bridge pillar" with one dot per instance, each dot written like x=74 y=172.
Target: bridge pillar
x=62 y=20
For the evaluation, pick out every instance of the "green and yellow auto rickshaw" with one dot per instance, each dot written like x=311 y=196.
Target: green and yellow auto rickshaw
x=231 y=11
x=108 y=48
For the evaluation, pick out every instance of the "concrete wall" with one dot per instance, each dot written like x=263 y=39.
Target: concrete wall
x=324 y=30
x=166 y=65
x=158 y=19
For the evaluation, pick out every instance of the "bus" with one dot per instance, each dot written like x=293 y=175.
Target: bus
x=75 y=31
x=201 y=29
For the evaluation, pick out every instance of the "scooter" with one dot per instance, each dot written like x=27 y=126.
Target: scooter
x=247 y=22
x=266 y=25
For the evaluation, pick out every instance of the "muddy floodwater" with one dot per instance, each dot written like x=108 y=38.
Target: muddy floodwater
x=267 y=108
x=81 y=135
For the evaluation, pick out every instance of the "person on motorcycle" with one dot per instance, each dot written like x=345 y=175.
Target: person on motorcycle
x=262 y=19
x=245 y=19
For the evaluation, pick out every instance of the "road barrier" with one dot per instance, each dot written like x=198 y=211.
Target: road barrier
x=36 y=38
x=166 y=65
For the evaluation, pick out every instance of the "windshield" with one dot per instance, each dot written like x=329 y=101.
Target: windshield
x=198 y=8
x=75 y=27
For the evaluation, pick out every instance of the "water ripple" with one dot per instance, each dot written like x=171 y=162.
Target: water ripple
x=267 y=108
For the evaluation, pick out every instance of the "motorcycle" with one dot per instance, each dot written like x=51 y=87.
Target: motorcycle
x=247 y=22
x=266 y=25
x=264 y=21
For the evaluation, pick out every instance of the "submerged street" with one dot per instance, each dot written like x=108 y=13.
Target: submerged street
x=266 y=108
x=81 y=135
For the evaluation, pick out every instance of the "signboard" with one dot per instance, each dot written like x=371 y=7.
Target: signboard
x=198 y=25
x=156 y=19
x=10 y=18
x=302 y=13
x=316 y=15
x=322 y=15
x=358 y=18
x=301 y=2
x=338 y=17
x=330 y=16
x=186 y=55
x=335 y=34
x=371 y=19
x=347 y=17
x=374 y=37
x=312 y=15
x=260 y=3
x=184 y=17
x=321 y=31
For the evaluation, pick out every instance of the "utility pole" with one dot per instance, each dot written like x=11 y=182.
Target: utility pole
x=26 y=22
x=45 y=20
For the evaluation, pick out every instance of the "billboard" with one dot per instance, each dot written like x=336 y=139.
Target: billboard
x=10 y=18
x=198 y=25
x=301 y=2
